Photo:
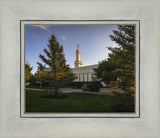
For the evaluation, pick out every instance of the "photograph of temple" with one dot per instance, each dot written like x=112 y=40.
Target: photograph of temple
x=76 y=68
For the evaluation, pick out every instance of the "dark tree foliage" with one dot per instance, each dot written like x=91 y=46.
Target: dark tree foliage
x=124 y=56
x=28 y=70
x=121 y=65
x=54 y=69
x=106 y=71
x=121 y=61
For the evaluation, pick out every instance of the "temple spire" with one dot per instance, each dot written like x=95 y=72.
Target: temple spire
x=78 y=62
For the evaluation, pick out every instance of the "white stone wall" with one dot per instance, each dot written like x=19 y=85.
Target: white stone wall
x=85 y=73
x=81 y=77
x=89 y=77
x=85 y=77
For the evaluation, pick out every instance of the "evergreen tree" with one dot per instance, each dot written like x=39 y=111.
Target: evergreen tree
x=121 y=60
x=121 y=64
x=124 y=55
x=57 y=72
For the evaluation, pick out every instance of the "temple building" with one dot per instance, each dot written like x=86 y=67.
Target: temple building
x=83 y=73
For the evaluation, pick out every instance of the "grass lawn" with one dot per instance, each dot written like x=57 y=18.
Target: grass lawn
x=76 y=102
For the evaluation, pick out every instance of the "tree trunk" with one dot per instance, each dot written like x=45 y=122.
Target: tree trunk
x=40 y=84
x=56 y=92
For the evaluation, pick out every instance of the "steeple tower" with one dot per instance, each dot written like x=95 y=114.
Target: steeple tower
x=78 y=62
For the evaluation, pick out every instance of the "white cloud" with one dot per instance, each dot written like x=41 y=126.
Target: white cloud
x=63 y=38
x=44 y=27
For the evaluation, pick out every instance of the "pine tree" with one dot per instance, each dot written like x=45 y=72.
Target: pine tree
x=124 y=55
x=54 y=65
x=124 y=58
x=121 y=64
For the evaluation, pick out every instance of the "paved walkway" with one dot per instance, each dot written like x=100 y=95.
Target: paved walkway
x=72 y=91
x=35 y=89
x=89 y=92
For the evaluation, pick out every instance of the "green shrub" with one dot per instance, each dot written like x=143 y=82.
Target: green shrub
x=85 y=87
x=94 y=86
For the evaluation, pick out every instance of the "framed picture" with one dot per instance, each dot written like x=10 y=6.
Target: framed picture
x=23 y=22
x=87 y=69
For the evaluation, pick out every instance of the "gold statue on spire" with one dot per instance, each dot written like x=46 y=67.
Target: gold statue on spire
x=78 y=47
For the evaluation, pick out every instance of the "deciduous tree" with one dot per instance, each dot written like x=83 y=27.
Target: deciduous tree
x=28 y=70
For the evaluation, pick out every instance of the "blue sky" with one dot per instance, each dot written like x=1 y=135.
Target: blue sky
x=93 y=40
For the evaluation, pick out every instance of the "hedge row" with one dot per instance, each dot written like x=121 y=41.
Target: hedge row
x=78 y=85
x=92 y=86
